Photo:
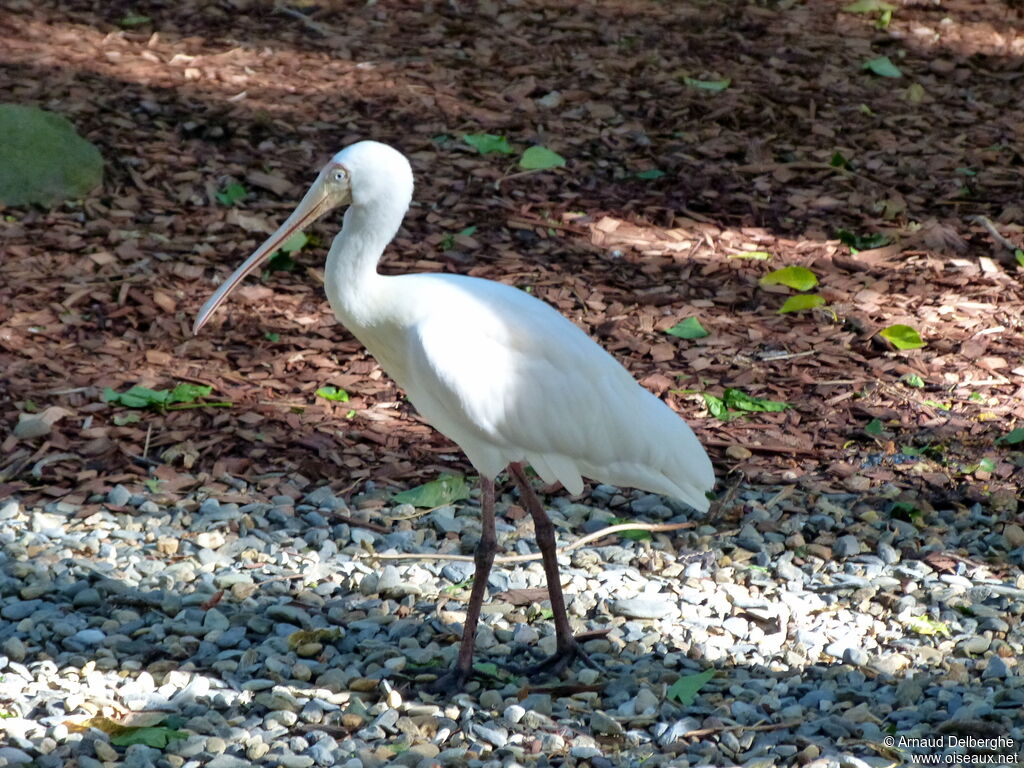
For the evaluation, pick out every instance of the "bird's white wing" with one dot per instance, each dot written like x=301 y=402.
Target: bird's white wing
x=508 y=378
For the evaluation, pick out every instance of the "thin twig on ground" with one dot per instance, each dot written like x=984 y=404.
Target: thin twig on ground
x=590 y=537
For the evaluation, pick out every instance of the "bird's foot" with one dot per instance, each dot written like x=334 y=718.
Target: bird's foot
x=556 y=663
x=452 y=681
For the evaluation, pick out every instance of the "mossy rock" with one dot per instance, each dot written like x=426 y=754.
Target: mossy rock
x=43 y=160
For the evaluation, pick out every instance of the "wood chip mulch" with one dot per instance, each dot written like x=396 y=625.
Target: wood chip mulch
x=804 y=142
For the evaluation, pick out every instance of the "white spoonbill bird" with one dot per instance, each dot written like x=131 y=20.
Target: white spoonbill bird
x=493 y=368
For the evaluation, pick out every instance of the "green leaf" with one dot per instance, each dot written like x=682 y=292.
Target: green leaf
x=451 y=589
x=868 y=6
x=157 y=737
x=902 y=337
x=904 y=510
x=883 y=67
x=913 y=380
x=133 y=20
x=333 y=394
x=121 y=419
x=296 y=242
x=280 y=261
x=488 y=143
x=986 y=465
x=926 y=626
x=159 y=399
x=468 y=231
x=801 y=302
x=233 y=193
x=1018 y=254
x=756 y=255
x=839 y=161
x=716 y=407
x=685 y=689
x=690 y=328
x=653 y=173
x=734 y=402
x=632 y=535
x=738 y=400
x=798 y=278
x=138 y=397
x=914 y=93
x=188 y=393
x=540 y=159
x=490 y=669
x=447 y=489
x=270 y=336
x=1013 y=437
x=708 y=85
x=862 y=242
x=937 y=404
x=873 y=427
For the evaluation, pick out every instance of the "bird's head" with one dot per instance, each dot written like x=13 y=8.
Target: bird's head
x=378 y=175
x=366 y=174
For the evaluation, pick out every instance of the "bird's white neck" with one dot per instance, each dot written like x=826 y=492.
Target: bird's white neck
x=350 y=275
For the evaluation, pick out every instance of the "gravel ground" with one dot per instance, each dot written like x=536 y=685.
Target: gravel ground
x=266 y=634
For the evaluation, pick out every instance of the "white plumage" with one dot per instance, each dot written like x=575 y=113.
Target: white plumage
x=508 y=378
x=498 y=371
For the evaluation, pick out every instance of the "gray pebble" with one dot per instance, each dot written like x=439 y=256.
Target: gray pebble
x=14 y=648
x=846 y=546
x=604 y=724
x=784 y=569
x=288 y=614
x=88 y=637
x=458 y=571
x=140 y=756
x=118 y=496
x=491 y=699
x=645 y=607
x=994 y=624
x=20 y=609
x=227 y=761
x=996 y=669
x=855 y=656
x=295 y=761
x=494 y=736
x=539 y=703
x=513 y=713
x=889 y=554
x=677 y=731
x=14 y=756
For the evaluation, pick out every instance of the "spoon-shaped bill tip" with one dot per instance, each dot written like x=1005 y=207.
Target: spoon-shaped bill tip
x=316 y=202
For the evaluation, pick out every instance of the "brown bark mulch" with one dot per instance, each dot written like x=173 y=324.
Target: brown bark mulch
x=184 y=98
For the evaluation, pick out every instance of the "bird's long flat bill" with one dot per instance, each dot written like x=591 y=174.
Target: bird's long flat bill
x=316 y=202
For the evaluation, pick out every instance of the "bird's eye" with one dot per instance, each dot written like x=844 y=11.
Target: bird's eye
x=341 y=175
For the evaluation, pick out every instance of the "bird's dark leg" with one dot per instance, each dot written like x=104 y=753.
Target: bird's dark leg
x=566 y=648
x=483 y=558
